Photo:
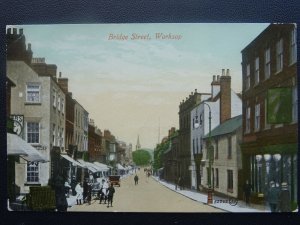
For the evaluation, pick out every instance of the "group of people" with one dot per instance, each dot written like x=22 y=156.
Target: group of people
x=278 y=199
x=105 y=193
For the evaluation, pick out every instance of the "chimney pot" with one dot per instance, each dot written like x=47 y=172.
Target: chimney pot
x=59 y=74
x=21 y=31
x=218 y=78
x=228 y=72
x=14 y=30
x=214 y=77
x=9 y=31
x=29 y=46
x=223 y=72
x=196 y=90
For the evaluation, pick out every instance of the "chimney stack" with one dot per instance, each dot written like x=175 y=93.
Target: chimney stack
x=63 y=83
x=15 y=31
x=9 y=31
x=225 y=96
x=21 y=31
x=215 y=86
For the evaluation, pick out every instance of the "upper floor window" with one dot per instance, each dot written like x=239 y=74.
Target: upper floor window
x=267 y=64
x=257 y=117
x=62 y=106
x=217 y=149
x=248 y=76
x=58 y=102
x=33 y=93
x=248 y=111
x=33 y=132
x=229 y=152
x=54 y=97
x=197 y=146
x=279 y=55
x=194 y=146
x=256 y=74
x=293 y=47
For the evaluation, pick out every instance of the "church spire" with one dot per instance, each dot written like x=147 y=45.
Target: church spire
x=138 y=145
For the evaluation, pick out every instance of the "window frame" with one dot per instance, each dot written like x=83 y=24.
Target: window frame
x=32 y=132
x=32 y=90
x=279 y=55
x=293 y=46
x=35 y=174
x=257 y=117
x=267 y=63
x=256 y=71
x=248 y=75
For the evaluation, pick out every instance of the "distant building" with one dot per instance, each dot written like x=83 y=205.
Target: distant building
x=270 y=109
x=94 y=143
x=138 y=145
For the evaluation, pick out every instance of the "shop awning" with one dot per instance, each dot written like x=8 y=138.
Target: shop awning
x=120 y=167
x=102 y=166
x=17 y=146
x=87 y=166
x=73 y=161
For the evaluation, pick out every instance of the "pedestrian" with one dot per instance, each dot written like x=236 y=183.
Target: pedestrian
x=273 y=196
x=136 y=179
x=79 y=193
x=284 y=198
x=179 y=183
x=103 y=189
x=73 y=185
x=110 y=195
x=247 y=192
x=89 y=193
x=85 y=190
x=175 y=183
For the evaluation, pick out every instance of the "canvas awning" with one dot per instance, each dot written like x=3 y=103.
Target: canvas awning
x=120 y=167
x=17 y=146
x=87 y=166
x=73 y=161
x=104 y=167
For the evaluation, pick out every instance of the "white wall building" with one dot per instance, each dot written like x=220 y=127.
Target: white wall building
x=220 y=86
x=42 y=103
x=226 y=139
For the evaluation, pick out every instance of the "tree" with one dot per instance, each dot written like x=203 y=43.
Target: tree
x=141 y=157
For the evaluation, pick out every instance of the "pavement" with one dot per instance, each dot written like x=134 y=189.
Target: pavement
x=226 y=204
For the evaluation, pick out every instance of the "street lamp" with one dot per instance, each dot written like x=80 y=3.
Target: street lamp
x=210 y=152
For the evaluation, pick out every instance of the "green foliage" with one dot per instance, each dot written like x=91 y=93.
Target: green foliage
x=141 y=157
x=41 y=198
x=158 y=154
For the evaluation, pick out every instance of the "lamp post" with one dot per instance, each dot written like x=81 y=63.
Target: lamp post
x=210 y=153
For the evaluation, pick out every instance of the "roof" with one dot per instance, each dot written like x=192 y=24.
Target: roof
x=227 y=127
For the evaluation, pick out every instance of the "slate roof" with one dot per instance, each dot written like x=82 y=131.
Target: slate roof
x=227 y=127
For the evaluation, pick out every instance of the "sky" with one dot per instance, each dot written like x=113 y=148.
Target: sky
x=134 y=86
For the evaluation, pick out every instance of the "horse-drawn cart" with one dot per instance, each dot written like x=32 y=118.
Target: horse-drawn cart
x=114 y=180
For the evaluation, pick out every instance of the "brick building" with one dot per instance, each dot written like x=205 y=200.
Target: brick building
x=184 y=136
x=270 y=109
x=94 y=143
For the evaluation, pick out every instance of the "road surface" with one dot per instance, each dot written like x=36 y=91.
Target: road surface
x=147 y=196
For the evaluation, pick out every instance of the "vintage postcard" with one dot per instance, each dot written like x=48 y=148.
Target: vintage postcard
x=155 y=117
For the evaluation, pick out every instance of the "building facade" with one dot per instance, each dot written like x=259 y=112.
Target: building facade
x=184 y=136
x=270 y=109
x=220 y=105
x=227 y=161
x=33 y=100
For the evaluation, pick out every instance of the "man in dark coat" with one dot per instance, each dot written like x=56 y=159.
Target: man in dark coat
x=273 y=197
x=284 y=198
x=136 y=179
x=247 y=192
x=110 y=195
